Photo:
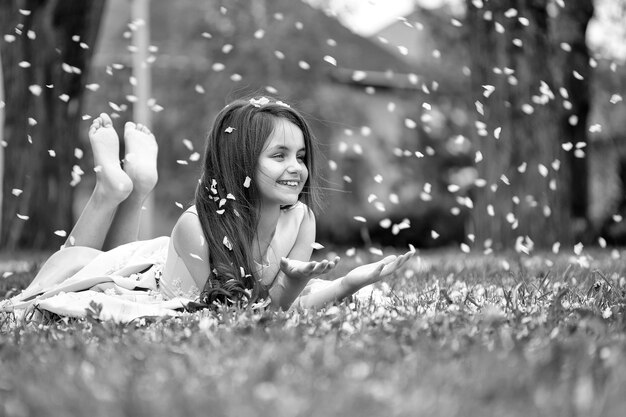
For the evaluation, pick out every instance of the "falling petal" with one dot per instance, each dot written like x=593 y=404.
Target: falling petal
x=329 y=59
x=227 y=243
x=35 y=90
x=376 y=251
x=188 y=144
x=193 y=255
x=578 y=248
x=385 y=223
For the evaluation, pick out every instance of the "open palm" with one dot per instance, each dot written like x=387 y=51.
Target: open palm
x=370 y=273
x=301 y=270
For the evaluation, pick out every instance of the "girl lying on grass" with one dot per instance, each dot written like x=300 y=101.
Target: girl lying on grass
x=247 y=238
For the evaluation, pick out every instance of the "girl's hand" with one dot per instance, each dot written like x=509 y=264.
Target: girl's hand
x=299 y=270
x=371 y=273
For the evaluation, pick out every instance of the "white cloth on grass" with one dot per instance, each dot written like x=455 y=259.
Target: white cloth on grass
x=122 y=281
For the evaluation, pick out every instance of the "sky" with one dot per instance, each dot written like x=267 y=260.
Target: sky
x=370 y=16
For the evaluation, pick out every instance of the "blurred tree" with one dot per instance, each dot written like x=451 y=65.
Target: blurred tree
x=528 y=189
x=46 y=52
x=573 y=73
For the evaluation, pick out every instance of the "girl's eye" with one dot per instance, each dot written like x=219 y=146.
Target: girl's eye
x=301 y=157
x=279 y=155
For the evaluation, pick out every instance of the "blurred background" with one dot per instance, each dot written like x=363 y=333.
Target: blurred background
x=469 y=123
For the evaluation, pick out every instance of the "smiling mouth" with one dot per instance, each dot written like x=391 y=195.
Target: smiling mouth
x=289 y=183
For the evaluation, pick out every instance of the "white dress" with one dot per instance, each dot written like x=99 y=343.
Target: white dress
x=138 y=279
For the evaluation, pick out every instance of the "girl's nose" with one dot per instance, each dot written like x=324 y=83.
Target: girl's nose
x=294 y=166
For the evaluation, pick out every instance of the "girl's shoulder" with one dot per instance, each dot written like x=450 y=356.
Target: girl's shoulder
x=298 y=208
x=294 y=218
x=188 y=224
x=298 y=211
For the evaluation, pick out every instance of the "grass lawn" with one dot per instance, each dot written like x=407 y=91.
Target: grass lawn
x=453 y=335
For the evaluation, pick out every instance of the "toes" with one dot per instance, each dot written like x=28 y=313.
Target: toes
x=95 y=125
x=129 y=125
x=106 y=120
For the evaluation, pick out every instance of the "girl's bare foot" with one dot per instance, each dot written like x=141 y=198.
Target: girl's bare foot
x=111 y=181
x=140 y=162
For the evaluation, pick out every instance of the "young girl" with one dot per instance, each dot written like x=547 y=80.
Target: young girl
x=248 y=237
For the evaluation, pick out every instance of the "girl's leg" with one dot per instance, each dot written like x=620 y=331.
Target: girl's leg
x=140 y=164
x=113 y=186
x=87 y=237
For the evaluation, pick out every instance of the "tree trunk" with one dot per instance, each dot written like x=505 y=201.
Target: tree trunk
x=572 y=71
x=50 y=56
x=527 y=192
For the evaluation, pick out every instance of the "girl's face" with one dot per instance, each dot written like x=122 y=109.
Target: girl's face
x=281 y=171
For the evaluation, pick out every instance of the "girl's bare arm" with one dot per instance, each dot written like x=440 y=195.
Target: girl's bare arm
x=353 y=281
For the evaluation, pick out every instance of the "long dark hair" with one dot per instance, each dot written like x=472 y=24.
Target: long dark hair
x=227 y=197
